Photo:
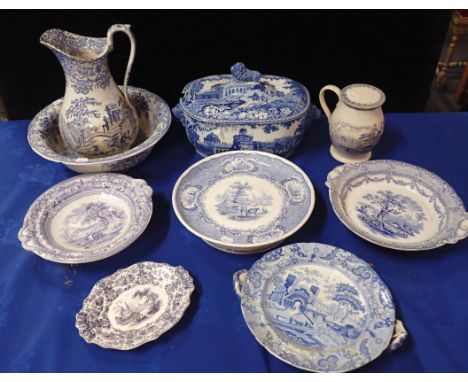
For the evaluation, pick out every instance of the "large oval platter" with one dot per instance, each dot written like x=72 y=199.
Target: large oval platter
x=318 y=307
x=397 y=205
x=243 y=201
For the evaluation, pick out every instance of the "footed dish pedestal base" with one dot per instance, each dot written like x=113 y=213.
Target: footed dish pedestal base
x=340 y=157
x=249 y=251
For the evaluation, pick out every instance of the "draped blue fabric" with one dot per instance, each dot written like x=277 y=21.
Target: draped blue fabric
x=39 y=299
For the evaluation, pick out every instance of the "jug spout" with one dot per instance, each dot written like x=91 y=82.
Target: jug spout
x=74 y=46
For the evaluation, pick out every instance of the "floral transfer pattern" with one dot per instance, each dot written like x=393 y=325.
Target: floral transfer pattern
x=82 y=75
x=85 y=77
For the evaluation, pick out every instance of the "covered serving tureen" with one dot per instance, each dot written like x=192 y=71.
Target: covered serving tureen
x=245 y=110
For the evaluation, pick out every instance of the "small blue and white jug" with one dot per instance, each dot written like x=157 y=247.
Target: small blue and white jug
x=96 y=118
x=357 y=123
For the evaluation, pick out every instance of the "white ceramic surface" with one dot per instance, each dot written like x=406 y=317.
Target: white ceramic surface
x=357 y=123
x=134 y=305
x=397 y=205
x=243 y=201
x=87 y=218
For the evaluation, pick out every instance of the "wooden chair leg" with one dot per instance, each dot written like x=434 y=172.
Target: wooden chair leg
x=442 y=72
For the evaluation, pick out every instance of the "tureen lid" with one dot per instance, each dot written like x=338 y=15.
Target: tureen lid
x=244 y=96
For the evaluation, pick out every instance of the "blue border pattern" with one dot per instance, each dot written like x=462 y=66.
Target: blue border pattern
x=296 y=194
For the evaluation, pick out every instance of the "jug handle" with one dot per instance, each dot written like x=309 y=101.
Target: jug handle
x=323 y=103
x=125 y=28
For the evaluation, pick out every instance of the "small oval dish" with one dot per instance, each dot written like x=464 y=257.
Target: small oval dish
x=397 y=205
x=87 y=218
x=154 y=119
x=243 y=201
x=318 y=308
x=134 y=305
x=245 y=110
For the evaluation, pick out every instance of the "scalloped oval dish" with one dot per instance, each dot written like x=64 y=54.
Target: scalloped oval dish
x=134 y=305
x=87 y=218
x=397 y=205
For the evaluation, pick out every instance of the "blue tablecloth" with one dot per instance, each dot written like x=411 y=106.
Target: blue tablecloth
x=39 y=299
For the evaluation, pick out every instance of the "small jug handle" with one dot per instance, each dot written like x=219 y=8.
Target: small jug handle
x=323 y=103
x=125 y=28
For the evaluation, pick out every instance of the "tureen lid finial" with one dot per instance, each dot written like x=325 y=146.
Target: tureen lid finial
x=241 y=73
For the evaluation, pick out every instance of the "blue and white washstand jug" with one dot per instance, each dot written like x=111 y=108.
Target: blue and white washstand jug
x=245 y=110
x=97 y=118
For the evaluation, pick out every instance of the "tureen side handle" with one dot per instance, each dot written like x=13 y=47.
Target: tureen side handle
x=461 y=231
x=399 y=336
x=313 y=113
x=323 y=103
x=238 y=280
x=177 y=112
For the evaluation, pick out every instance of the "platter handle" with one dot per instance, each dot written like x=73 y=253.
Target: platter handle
x=399 y=336
x=462 y=230
x=333 y=174
x=238 y=280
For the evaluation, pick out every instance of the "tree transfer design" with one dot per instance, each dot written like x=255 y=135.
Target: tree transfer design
x=391 y=214
x=93 y=223
x=88 y=130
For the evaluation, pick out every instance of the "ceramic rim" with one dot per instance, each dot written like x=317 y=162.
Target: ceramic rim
x=253 y=245
x=363 y=105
